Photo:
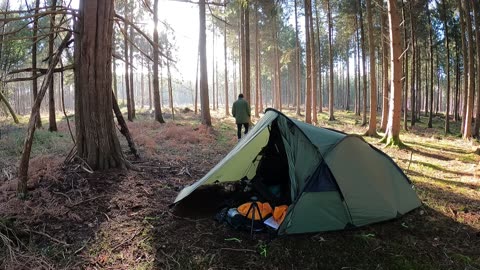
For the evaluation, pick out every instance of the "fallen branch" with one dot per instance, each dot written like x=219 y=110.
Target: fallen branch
x=87 y=200
x=49 y=237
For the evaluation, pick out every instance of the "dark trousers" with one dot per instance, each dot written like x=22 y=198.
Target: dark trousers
x=239 y=129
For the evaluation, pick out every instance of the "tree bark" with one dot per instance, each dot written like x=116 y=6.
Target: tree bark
x=372 y=127
x=51 y=92
x=297 y=65
x=308 y=53
x=257 y=65
x=447 y=60
x=319 y=72
x=413 y=68
x=330 y=60
x=225 y=67
x=405 y=68
x=97 y=142
x=206 y=119
x=156 y=85
x=364 y=68
x=126 y=64
x=392 y=135
x=467 y=134
x=247 y=84
x=383 y=126
x=314 y=69
x=476 y=16
x=123 y=127
x=430 y=43
x=170 y=90
x=34 y=58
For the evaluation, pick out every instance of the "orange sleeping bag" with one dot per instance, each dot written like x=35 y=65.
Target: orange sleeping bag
x=264 y=208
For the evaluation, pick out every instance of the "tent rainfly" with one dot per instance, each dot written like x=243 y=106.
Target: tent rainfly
x=334 y=181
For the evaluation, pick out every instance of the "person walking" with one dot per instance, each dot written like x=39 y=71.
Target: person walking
x=241 y=112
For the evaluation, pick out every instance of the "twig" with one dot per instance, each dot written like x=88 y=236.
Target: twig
x=63 y=194
x=87 y=200
x=49 y=237
x=127 y=240
x=239 y=249
x=171 y=257
x=410 y=162
x=81 y=248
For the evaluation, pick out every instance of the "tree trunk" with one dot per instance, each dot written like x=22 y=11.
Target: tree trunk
x=430 y=43
x=196 y=82
x=319 y=62
x=364 y=68
x=297 y=65
x=97 y=142
x=314 y=69
x=225 y=64
x=123 y=127
x=51 y=92
x=156 y=86
x=150 y=101
x=392 y=135
x=131 y=37
x=142 y=84
x=384 y=32
x=35 y=114
x=413 y=67
x=447 y=60
x=213 y=68
x=330 y=60
x=206 y=119
x=372 y=127
x=467 y=134
x=476 y=16
x=5 y=101
x=257 y=64
x=126 y=63
x=308 y=75
x=170 y=90
x=405 y=67
x=278 y=87
x=247 y=84
x=34 y=58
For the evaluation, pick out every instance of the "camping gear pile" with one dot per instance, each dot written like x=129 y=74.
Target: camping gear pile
x=323 y=179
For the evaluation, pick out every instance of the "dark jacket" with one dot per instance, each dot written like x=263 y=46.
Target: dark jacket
x=241 y=111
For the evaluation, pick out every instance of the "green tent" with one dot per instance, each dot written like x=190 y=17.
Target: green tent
x=334 y=181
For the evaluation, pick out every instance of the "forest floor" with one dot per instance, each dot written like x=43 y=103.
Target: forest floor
x=75 y=219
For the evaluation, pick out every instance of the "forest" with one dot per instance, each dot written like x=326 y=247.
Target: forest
x=109 y=109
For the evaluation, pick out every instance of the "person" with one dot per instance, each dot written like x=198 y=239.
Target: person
x=241 y=112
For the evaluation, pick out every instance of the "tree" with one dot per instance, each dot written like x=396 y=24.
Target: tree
x=447 y=68
x=297 y=65
x=385 y=91
x=330 y=60
x=97 y=142
x=51 y=93
x=467 y=134
x=206 y=119
x=476 y=16
x=308 y=75
x=156 y=85
x=372 y=127
x=127 y=63
x=34 y=57
x=35 y=114
x=430 y=43
x=392 y=136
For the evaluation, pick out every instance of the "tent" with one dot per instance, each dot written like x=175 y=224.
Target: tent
x=333 y=180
